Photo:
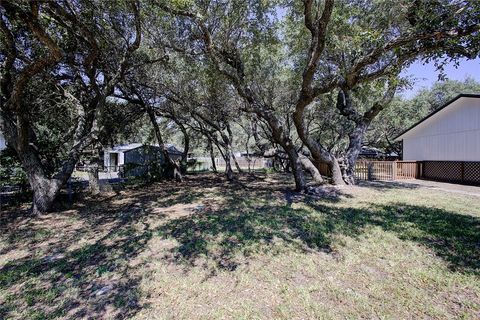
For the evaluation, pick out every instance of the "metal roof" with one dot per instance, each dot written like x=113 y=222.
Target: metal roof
x=130 y=146
x=125 y=147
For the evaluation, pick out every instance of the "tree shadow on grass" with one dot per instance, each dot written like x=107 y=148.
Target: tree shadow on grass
x=43 y=283
x=227 y=235
x=78 y=263
x=381 y=185
x=221 y=235
x=96 y=279
x=453 y=237
x=74 y=280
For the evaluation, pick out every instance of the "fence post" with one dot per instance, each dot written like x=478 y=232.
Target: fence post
x=394 y=170
x=422 y=169
x=462 y=167
x=369 y=170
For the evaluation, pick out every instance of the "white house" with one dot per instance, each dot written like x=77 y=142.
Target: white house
x=451 y=133
x=3 y=144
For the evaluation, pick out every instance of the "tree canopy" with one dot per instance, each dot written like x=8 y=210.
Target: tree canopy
x=306 y=82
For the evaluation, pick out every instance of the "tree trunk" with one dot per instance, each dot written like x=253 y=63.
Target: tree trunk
x=274 y=164
x=184 y=159
x=93 y=184
x=249 y=159
x=22 y=139
x=45 y=189
x=212 y=156
x=310 y=167
x=362 y=121
x=227 y=144
x=283 y=139
x=354 y=148
x=296 y=166
x=228 y=141
x=186 y=147
x=228 y=165
x=44 y=193
x=171 y=169
x=236 y=164
x=319 y=153
x=336 y=171
x=93 y=169
x=226 y=155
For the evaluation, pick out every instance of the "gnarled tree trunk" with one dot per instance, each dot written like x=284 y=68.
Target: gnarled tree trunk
x=45 y=189
x=354 y=148
x=228 y=167
x=45 y=192
x=361 y=121
x=336 y=170
x=310 y=167
x=15 y=116
x=227 y=156
x=296 y=166
x=319 y=153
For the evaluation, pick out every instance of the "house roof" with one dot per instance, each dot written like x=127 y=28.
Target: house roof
x=463 y=95
x=370 y=150
x=125 y=147
x=172 y=149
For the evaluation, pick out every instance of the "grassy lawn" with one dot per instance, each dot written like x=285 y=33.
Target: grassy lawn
x=250 y=250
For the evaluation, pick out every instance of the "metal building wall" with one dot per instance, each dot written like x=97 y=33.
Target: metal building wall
x=451 y=134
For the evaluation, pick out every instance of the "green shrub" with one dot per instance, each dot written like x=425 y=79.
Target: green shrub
x=11 y=171
x=13 y=175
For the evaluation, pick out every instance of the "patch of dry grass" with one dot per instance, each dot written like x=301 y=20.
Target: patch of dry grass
x=252 y=249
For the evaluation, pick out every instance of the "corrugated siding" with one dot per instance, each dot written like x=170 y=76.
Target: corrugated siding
x=453 y=134
x=2 y=142
x=143 y=155
x=106 y=158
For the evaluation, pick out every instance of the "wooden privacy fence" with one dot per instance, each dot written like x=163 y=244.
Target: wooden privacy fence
x=406 y=170
x=205 y=163
x=387 y=170
x=244 y=162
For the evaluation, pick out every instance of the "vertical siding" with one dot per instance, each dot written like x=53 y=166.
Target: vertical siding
x=3 y=145
x=143 y=155
x=451 y=134
x=106 y=159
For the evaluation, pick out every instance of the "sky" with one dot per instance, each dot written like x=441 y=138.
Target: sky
x=425 y=74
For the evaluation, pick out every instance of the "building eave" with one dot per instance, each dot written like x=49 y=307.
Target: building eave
x=463 y=95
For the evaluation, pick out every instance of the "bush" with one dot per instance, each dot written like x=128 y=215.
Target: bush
x=13 y=178
x=11 y=171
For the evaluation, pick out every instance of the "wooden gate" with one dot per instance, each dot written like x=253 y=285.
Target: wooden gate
x=406 y=170
x=387 y=170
